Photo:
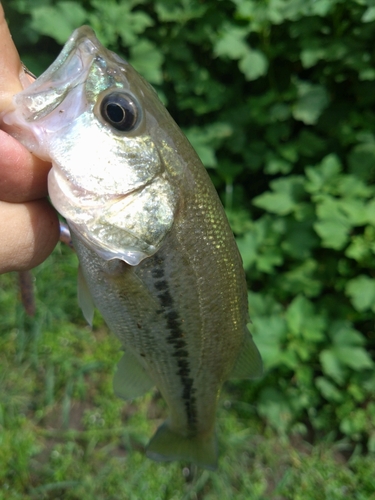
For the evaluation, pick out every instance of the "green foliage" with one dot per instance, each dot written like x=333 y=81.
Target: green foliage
x=278 y=99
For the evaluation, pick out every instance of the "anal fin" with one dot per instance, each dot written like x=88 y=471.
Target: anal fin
x=249 y=363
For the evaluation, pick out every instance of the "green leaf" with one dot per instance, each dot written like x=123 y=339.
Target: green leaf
x=205 y=140
x=322 y=7
x=350 y=186
x=331 y=365
x=362 y=161
x=303 y=321
x=278 y=165
x=179 y=12
x=278 y=203
x=355 y=423
x=310 y=144
x=311 y=55
x=355 y=210
x=369 y=15
x=269 y=259
x=323 y=175
x=299 y=310
x=354 y=357
x=269 y=332
x=253 y=64
x=333 y=232
x=287 y=193
x=247 y=246
x=113 y=20
x=312 y=100
x=333 y=226
x=361 y=291
x=280 y=112
x=370 y=212
x=302 y=279
x=274 y=406
x=359 y=249
x=263 y=305
x=343 y=333
x=232 y=43
x=329 y=390
x=147 y=59
x=257 y=247
x=136 y=23
x=300 y=239
x=59 y=21
x=371 y=443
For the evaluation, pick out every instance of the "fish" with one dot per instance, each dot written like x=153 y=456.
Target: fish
x=157 y=256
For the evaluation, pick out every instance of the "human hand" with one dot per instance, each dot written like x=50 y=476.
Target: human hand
x=29 y=228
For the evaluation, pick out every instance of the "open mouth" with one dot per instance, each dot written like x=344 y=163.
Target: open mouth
x=68 y=71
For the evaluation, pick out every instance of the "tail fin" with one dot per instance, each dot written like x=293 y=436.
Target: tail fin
x=167 y=445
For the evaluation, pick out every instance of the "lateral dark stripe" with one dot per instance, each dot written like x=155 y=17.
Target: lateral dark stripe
x=157 y=272
x=176 y=339
x=161 y=285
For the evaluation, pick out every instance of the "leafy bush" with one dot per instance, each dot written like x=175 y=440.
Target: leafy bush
x=278 y=99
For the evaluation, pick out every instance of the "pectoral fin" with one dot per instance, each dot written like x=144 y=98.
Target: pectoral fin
x=131 y=379
x=84 y=298
x=249 y=363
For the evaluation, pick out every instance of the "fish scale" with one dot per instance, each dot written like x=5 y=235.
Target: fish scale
x=157 y=256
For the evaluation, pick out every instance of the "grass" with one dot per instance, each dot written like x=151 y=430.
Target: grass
x=64 y=435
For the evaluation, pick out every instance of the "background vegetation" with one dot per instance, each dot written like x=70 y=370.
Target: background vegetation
x=278 y=97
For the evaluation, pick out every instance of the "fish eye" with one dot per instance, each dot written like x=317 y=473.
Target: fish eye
x=120 y=110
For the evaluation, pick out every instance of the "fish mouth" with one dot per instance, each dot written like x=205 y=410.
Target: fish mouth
x=68 y=71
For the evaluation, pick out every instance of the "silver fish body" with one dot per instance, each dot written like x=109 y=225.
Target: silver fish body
x=157 y=256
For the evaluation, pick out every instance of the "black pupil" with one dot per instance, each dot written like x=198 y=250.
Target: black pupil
x=115 y=112
x=120 y=111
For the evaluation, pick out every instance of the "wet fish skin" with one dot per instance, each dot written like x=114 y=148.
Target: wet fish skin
x=157 y=255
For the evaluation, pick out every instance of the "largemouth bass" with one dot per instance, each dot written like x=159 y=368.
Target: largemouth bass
x=157 y=256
